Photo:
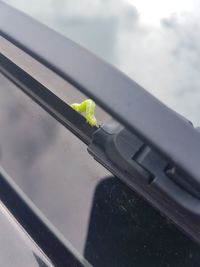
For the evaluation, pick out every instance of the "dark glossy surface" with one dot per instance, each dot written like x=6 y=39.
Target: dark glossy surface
x=125 y=231
x=103 y=219
x=16 y=247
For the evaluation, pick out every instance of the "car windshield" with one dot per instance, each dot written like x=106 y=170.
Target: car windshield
x=156 y=43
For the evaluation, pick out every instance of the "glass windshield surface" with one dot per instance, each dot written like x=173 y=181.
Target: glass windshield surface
x=105 y=221
x=48 y=162
x=156 y=43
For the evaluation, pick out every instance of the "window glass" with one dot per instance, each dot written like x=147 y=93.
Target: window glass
x=48 y=162
x=104 y=220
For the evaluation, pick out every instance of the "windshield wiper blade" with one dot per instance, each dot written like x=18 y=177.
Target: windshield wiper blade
x=60 y=110
x=143 y=114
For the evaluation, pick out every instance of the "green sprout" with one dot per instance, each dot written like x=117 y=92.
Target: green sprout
x=88 y=106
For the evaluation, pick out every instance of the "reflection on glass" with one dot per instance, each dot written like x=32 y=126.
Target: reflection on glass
x=16 y=247
x=103 y=219
x=48 y=162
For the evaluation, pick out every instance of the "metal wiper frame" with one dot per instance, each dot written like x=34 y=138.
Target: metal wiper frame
x=162 y=131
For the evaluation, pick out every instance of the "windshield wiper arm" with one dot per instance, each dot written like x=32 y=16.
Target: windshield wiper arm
x=158 y=126
x=151 y=147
